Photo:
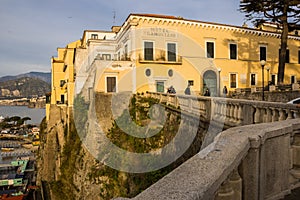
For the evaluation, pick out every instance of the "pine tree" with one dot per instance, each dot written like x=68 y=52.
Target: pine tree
x=285 y=13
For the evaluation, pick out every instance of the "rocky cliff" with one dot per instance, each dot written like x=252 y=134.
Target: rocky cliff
x=67 y=169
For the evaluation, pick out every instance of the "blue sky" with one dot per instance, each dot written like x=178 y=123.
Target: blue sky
x=31 y=30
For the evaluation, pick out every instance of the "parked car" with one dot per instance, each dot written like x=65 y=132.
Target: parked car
x=294 y=101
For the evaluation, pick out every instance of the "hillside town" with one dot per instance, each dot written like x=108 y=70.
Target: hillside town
x=19 y=143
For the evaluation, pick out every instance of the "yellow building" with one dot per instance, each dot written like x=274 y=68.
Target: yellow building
x=63 y=77
x=159 y=51
x=152 y=52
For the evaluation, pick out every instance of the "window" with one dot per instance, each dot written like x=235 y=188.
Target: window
x=233 y=80
x=233 y=51
x=263 y=53
x=287 y=56
x=126 y=52
x=170 y=72
x=148 y=50
x=171 y=52
x=293 y=79
x=111 y=84
x=210 y=49
x=298 y=56
x=253 y=79
x=94 y=36
x=62 y=98
x=106 y=56
x=62 y=83
x=190 y=82
x=148 y=72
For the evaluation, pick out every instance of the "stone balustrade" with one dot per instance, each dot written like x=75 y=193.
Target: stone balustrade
x=258 y=161
x=230 y=112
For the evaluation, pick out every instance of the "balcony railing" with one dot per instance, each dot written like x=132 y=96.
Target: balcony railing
x=161 y=60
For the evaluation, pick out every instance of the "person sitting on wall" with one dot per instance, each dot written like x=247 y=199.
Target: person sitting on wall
x=171 y=90
x=207 y=93
x=187 y=90
x=225 y=91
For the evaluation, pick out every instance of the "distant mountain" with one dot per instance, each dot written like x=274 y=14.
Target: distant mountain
x=44 y=76
x=24 y=87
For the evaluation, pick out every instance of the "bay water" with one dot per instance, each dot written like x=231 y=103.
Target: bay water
x=36 y=114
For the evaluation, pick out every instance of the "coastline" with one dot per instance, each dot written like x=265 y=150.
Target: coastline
x=39 y=102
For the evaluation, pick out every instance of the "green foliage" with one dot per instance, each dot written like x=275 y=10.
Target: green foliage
x=57 y=188
x=285 y=13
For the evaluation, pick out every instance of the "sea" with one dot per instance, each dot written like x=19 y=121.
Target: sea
x=36 y=114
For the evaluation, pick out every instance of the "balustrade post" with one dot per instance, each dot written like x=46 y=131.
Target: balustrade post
x=275 y=115
x=225 y=192
x=290 y=114
x=224 y=111
x=232 y=113
x=240 y=114
x=269 y=115
x=297 y=114
x=257 y=115
x=235 y=181
x=281 y=114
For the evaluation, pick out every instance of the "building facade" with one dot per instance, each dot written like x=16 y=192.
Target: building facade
x=153 y=52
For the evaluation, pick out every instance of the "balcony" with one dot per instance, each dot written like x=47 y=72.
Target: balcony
x=160 y=60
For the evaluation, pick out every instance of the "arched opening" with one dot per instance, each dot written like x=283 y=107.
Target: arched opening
x=210 y=82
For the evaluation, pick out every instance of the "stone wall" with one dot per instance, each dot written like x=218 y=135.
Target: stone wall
x=248 y=162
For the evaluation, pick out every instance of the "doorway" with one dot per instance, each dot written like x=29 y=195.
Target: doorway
x=210 y=82
x=160 y=86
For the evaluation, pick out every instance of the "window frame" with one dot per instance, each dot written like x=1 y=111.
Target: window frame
x=167 y=52
x=295 y=79
x=94 y=36
x=236 y=80
x=214 y=49
x=236 y=50
x=260 y=52
x=111 y=76
x=144 y=49
x=276 y=79
x=255 y=79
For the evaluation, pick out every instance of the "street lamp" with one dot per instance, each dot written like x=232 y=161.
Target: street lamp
x=219 y=70
x=268 y=69
x=263 y=63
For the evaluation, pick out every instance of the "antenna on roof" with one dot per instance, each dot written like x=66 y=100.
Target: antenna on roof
x=114 y=17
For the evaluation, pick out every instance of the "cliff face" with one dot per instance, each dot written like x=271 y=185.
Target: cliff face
x=67 y=170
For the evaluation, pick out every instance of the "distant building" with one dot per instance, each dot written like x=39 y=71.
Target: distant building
x=152 y=52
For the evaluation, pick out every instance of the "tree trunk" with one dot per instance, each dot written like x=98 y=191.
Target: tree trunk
x=283 y=46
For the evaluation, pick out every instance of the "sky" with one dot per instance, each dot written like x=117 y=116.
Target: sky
x=32 y=30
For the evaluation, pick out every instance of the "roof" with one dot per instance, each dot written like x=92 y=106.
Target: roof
x=197 y=21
